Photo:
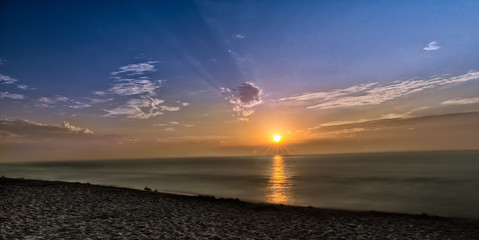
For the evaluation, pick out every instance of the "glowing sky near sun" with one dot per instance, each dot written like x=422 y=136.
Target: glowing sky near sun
x=188 y=78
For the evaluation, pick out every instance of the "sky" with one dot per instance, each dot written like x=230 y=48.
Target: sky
x=151 y=79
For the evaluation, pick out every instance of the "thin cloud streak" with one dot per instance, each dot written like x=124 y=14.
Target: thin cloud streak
x=432 y=46
x=375 y=93
x=400 y=134
x=23 y=87
x=461 y=101
x=168 y=108
x=237 y=36
x=383 y=117
x=28 y=128
x=174 y=123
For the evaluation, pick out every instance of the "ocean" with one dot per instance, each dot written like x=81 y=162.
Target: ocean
x=436 y=183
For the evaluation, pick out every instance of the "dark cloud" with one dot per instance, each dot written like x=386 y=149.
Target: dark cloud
x=25 y=128
x=244 y=97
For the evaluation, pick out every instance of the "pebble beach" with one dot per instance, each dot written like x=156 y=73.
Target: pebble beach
x=35 y=209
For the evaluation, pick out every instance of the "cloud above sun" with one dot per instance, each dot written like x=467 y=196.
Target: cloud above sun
x=244 y=97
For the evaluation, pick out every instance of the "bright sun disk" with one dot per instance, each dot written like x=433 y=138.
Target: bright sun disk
x=277 y=138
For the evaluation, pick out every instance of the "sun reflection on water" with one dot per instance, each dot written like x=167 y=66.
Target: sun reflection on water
x=279 y=184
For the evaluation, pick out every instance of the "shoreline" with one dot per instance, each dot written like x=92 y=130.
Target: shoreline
x=56 y=209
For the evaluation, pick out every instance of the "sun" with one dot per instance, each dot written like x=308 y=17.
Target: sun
x=277 y=138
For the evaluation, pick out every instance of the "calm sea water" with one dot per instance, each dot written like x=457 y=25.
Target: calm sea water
x=436 y=183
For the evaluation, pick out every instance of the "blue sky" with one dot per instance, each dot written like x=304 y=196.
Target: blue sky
x=160 y=71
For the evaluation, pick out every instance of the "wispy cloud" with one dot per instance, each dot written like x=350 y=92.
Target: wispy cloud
x=79 y=105
x=170 y=109
x=434 y=45
x=461 y=101
x=46 y=102
x=23 y=87
x=142 y=108
x=244 y=97
x=193 y=138
x=328 y=131
x=237 y=36
x=132 y=81
x=137 y=69
x=89 y=102
x=350 y=132
x=61 y=99
x=74 y=129
x=12 y=95
x=99 y=100
x=374 y=93
x=403 y=115
x=99 y=93
x=4 y=79
x=127 y=87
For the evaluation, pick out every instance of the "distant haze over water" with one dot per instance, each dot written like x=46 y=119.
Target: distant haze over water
x=437 y=183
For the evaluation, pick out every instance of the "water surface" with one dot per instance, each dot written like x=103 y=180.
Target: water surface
x=438 y=183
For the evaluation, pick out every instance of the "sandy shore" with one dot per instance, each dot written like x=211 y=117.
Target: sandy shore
x=33 y=209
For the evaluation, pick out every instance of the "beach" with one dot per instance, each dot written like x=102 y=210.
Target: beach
x=35 y=209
